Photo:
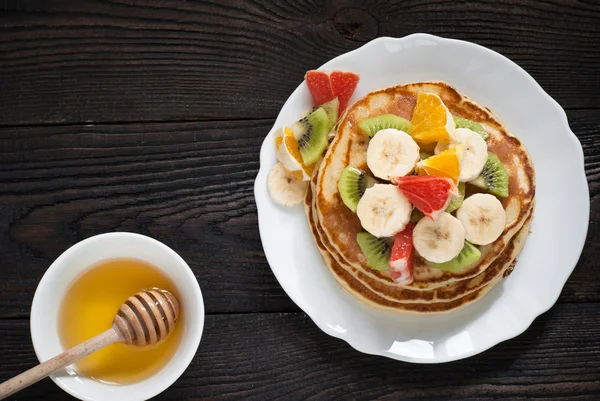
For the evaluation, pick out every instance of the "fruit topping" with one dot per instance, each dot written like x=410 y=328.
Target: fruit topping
x=319 y=86
x=431 y=195
x=383 y=211
x=416 y=215
x=325 y=86
x=377 y=251
x=312 y=135
x=474 y=152
x=439 y=240
x=352 y=185
x=431 y=120
x=343 y=84
x=483 y=218
x=402 y=258
x=392 y=153
x=472 y=125
x=288 y=154
x=425 y=155
x=444 y=164
x=493 y=177
x=332 y=109
x=457 y=201
x=371 y=126
x=467 y=256
x=284 y=187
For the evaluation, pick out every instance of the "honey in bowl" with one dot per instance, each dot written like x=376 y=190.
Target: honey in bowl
x=89 y=307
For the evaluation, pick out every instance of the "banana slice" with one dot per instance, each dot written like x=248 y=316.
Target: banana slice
x=284 y=187
x=383 y=210
x=474 y=153
x=441 y=240
x=287 y=153
x=483 y=217
x=392 y=153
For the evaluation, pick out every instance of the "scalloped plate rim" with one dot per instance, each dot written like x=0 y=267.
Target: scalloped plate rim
x=262 y=208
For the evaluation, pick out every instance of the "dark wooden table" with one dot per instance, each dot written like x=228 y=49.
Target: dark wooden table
x=147 y=116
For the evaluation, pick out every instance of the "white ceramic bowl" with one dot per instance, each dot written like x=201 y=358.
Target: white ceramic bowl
x=58 y=277
x=551 y=252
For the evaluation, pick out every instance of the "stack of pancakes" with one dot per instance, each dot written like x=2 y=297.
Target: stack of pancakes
x=334 y=226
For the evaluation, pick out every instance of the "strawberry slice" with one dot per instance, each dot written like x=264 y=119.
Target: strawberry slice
x=343 y=85
x=429 y=194
x=319 y=86
x=403 y=256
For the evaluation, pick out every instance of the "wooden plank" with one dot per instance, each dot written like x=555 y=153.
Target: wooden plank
x=273 y=356
x=89 y=61
x=189 y=185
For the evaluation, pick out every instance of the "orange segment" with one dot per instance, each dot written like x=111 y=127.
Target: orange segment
x=431 y=120
x=288 y=153
x=292 y=147
x=444 y=164
x=281 y=134
x=278 y=141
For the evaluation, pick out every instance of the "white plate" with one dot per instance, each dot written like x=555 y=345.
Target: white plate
x=550 y=254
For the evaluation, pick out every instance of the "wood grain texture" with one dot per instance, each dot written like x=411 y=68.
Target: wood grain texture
x=285 y=356
x=57 y=363
x=148 y=116
x=99 y=61
x=189 y=185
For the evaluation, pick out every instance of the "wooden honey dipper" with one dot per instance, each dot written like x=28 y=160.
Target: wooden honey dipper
x=144 y=319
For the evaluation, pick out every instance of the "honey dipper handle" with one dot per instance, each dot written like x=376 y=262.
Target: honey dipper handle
x=63 y=360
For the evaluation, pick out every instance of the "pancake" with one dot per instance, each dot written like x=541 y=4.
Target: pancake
x=338 y=226
x=391 y=291
x=469 y=290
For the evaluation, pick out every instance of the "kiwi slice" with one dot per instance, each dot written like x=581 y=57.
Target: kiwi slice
x=467 y=256
x=457 y=202
x=352 y=185
x=331 y=108
x=493 y=177
x=371 y=126
x=377 y=250
x=312 y=133
x=472 y=125
x=424 y=155
x=416 y=215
